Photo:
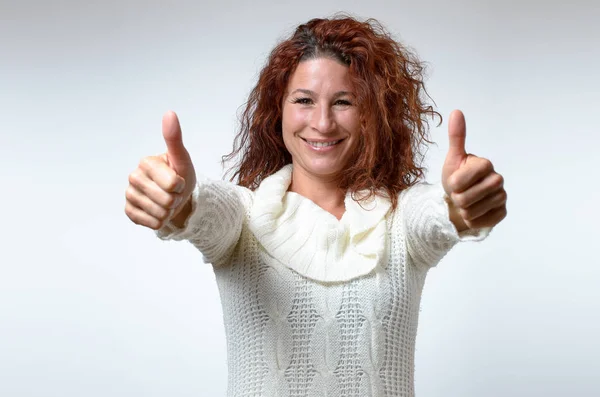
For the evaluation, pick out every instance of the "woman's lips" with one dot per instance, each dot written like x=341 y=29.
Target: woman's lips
x=322 y=145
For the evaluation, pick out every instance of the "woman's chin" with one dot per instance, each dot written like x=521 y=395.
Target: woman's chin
x=321 y=169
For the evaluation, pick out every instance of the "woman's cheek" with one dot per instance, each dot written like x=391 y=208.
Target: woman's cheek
x=299 y=118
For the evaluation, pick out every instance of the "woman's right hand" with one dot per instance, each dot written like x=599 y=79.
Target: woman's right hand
x=160 y=188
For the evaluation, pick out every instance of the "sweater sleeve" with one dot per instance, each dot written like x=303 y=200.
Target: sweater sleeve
x=427 y=227
x=219 y=210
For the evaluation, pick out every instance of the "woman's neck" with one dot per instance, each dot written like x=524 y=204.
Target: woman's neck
x=323 y=192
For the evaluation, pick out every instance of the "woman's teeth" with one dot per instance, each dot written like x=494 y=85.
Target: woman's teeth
x=323 y=144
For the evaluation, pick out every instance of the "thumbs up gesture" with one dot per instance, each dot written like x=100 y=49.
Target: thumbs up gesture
x=476 y=194
x=161 y=186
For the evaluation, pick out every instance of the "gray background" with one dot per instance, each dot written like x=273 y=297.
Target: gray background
x=93 y=305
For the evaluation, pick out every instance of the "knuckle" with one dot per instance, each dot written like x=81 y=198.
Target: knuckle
x=172 y=182
x=497 y=180
x=503 y=196
x=458 y=200
x=142 y=218
x=487 y=164
x=147 y=163
x=503 y=214
x=175 y=183
x=454 y=182
x=173 y=201
x=155 y=224
x=155 y=211
x=135 y=178
x=128 y=210
x=133 y=217
x=130 y=193
x=163 y=214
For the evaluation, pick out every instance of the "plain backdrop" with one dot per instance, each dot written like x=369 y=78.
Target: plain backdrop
x=94 y=305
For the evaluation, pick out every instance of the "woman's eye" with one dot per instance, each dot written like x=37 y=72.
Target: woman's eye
x=309 y=101
x=343 y=102
x=303 y=101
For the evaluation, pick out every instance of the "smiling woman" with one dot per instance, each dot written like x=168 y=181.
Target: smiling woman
x=321 y=126
x=321 y=247
x=344 y=71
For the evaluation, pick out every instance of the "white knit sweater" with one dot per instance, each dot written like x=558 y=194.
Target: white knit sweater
x=313 y=305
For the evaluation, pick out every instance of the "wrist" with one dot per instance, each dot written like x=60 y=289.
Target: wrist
x=183 y=213
x=454 y=215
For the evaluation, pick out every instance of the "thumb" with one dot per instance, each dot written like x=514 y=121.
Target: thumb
x=457 y=134
x=177 y=154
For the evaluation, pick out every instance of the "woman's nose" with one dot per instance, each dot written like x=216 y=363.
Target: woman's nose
x=323 y=119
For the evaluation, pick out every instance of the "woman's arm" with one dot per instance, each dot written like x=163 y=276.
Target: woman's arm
x=212 y=220
x=429 y=231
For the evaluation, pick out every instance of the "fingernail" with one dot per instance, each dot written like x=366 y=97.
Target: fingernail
x=177 y=202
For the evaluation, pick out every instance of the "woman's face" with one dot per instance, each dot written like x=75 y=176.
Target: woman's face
x=320 y=118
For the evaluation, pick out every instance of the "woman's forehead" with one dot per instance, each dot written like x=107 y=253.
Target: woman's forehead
x=320 y=75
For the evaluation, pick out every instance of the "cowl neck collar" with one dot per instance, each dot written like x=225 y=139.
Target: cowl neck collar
x=309 y=240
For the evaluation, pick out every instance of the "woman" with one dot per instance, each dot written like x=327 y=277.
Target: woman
x=322 y=247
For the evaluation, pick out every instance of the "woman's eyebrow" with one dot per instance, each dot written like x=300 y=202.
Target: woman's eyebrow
x=312 y=93
x=304 y=91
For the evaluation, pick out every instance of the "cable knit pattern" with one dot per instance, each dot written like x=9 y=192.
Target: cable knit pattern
x=431 y=234
x=314 y=306
x=215 y=224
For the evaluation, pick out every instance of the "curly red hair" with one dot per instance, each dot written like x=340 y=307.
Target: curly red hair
x=390 y=95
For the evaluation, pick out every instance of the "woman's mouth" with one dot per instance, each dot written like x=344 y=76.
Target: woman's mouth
x=320 y=144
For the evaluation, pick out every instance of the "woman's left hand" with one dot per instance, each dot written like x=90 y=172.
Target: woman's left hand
x=475 y=191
